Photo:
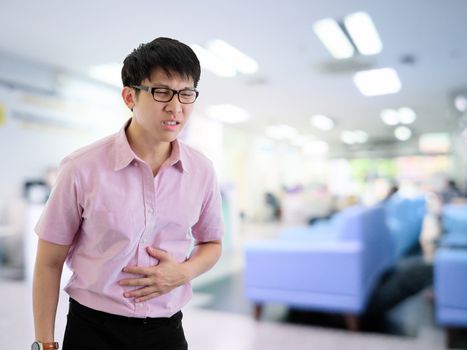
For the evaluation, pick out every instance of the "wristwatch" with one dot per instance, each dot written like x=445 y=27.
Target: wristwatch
x=37 y=345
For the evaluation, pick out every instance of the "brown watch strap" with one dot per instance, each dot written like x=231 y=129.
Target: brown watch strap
x=50 y=346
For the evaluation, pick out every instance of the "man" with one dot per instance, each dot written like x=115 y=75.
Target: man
x=124 y=212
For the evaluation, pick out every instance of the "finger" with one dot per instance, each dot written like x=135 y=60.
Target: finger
x=134 y=282
x=149 y=297
x=141 y=292
x=137 y=270
x=158 y=254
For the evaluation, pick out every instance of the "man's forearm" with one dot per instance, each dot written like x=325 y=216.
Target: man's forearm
x=46 y=287
x=203 y=257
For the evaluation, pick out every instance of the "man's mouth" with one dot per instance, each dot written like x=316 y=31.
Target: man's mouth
x=170 y=123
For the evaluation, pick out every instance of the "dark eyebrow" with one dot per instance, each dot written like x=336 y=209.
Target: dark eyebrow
x=156 y=85
x=163 y=86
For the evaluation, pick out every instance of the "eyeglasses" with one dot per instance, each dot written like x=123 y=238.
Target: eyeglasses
x=185 y=96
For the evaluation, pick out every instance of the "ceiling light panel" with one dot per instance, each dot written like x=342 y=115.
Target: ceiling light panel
x=213 y=63
x=390 y=117
x=333 y=38
x=403 y=115
x=402 y=133
x=406 y=115
x=351 y=137
x=348 y=137
x=242 y=63
x=322 y=122
x=360 y=136
x=461 y=103
x=377 y=82
x=363 y=33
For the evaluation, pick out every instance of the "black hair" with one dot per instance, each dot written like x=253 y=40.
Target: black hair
x=167 y=54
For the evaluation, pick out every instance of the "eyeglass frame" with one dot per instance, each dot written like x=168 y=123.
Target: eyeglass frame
x=174 y=92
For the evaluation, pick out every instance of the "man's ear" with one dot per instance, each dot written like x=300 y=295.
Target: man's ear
x=128 y=95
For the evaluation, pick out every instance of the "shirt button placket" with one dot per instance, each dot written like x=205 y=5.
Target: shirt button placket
x=140 y=308
x=149 y=212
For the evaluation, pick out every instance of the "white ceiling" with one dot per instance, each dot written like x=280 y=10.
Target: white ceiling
x=297 y=76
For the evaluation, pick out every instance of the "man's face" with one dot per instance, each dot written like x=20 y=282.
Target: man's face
x=163 y=121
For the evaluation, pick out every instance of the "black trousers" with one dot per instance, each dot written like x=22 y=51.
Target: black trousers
x=410 y=276
x=89 y=329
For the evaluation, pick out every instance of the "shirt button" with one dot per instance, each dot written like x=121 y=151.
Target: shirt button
x=150 y=210
x=135 y=163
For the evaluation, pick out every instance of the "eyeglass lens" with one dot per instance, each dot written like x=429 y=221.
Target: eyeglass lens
x=166 y=95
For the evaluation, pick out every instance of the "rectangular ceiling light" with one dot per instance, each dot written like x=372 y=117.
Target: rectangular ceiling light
x=333 y=37
x=363 y=33
x=377 y=82
x=242 y=63
x=213 y=63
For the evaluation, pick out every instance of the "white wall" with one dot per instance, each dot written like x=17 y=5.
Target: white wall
x=43 y=118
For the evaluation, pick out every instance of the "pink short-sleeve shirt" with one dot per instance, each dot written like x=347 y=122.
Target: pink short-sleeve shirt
x=109 y=207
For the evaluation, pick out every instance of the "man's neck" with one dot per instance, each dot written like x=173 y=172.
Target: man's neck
x=154 y=153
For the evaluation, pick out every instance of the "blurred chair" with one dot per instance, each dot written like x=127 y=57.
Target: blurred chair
x=404 y=220
x=450 y=282
x=454 y=226
x=332 y=268
x=451 y=271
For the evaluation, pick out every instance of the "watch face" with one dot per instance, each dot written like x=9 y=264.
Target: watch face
x=35 y=346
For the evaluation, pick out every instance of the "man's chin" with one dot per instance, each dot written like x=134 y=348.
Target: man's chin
x=170 y=138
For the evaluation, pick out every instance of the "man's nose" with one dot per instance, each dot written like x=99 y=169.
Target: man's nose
x=174 y=104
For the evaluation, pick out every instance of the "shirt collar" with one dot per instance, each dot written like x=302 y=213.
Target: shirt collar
x=177 y=157
x=124 y=155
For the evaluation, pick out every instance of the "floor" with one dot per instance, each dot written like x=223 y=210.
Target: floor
x=227 y=295
x=215 y=321
x=216 y=330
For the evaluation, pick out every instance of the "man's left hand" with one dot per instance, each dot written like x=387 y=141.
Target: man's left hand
x=157 y=280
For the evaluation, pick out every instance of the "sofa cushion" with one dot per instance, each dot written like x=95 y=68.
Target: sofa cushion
x=451 y=286
x=454 y=218
x=404 y=217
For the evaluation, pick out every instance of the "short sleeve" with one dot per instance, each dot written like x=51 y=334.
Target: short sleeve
x=62 y=215
x=210 y=226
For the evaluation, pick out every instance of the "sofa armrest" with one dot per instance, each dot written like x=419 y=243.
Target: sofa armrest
x=318 y=267
x=450 y=271
x=450 y=268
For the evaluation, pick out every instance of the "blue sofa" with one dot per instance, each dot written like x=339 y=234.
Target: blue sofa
x=331 y=266
x=454 y=223
x=450 y=271
x=404 y=217
x=451 y=287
